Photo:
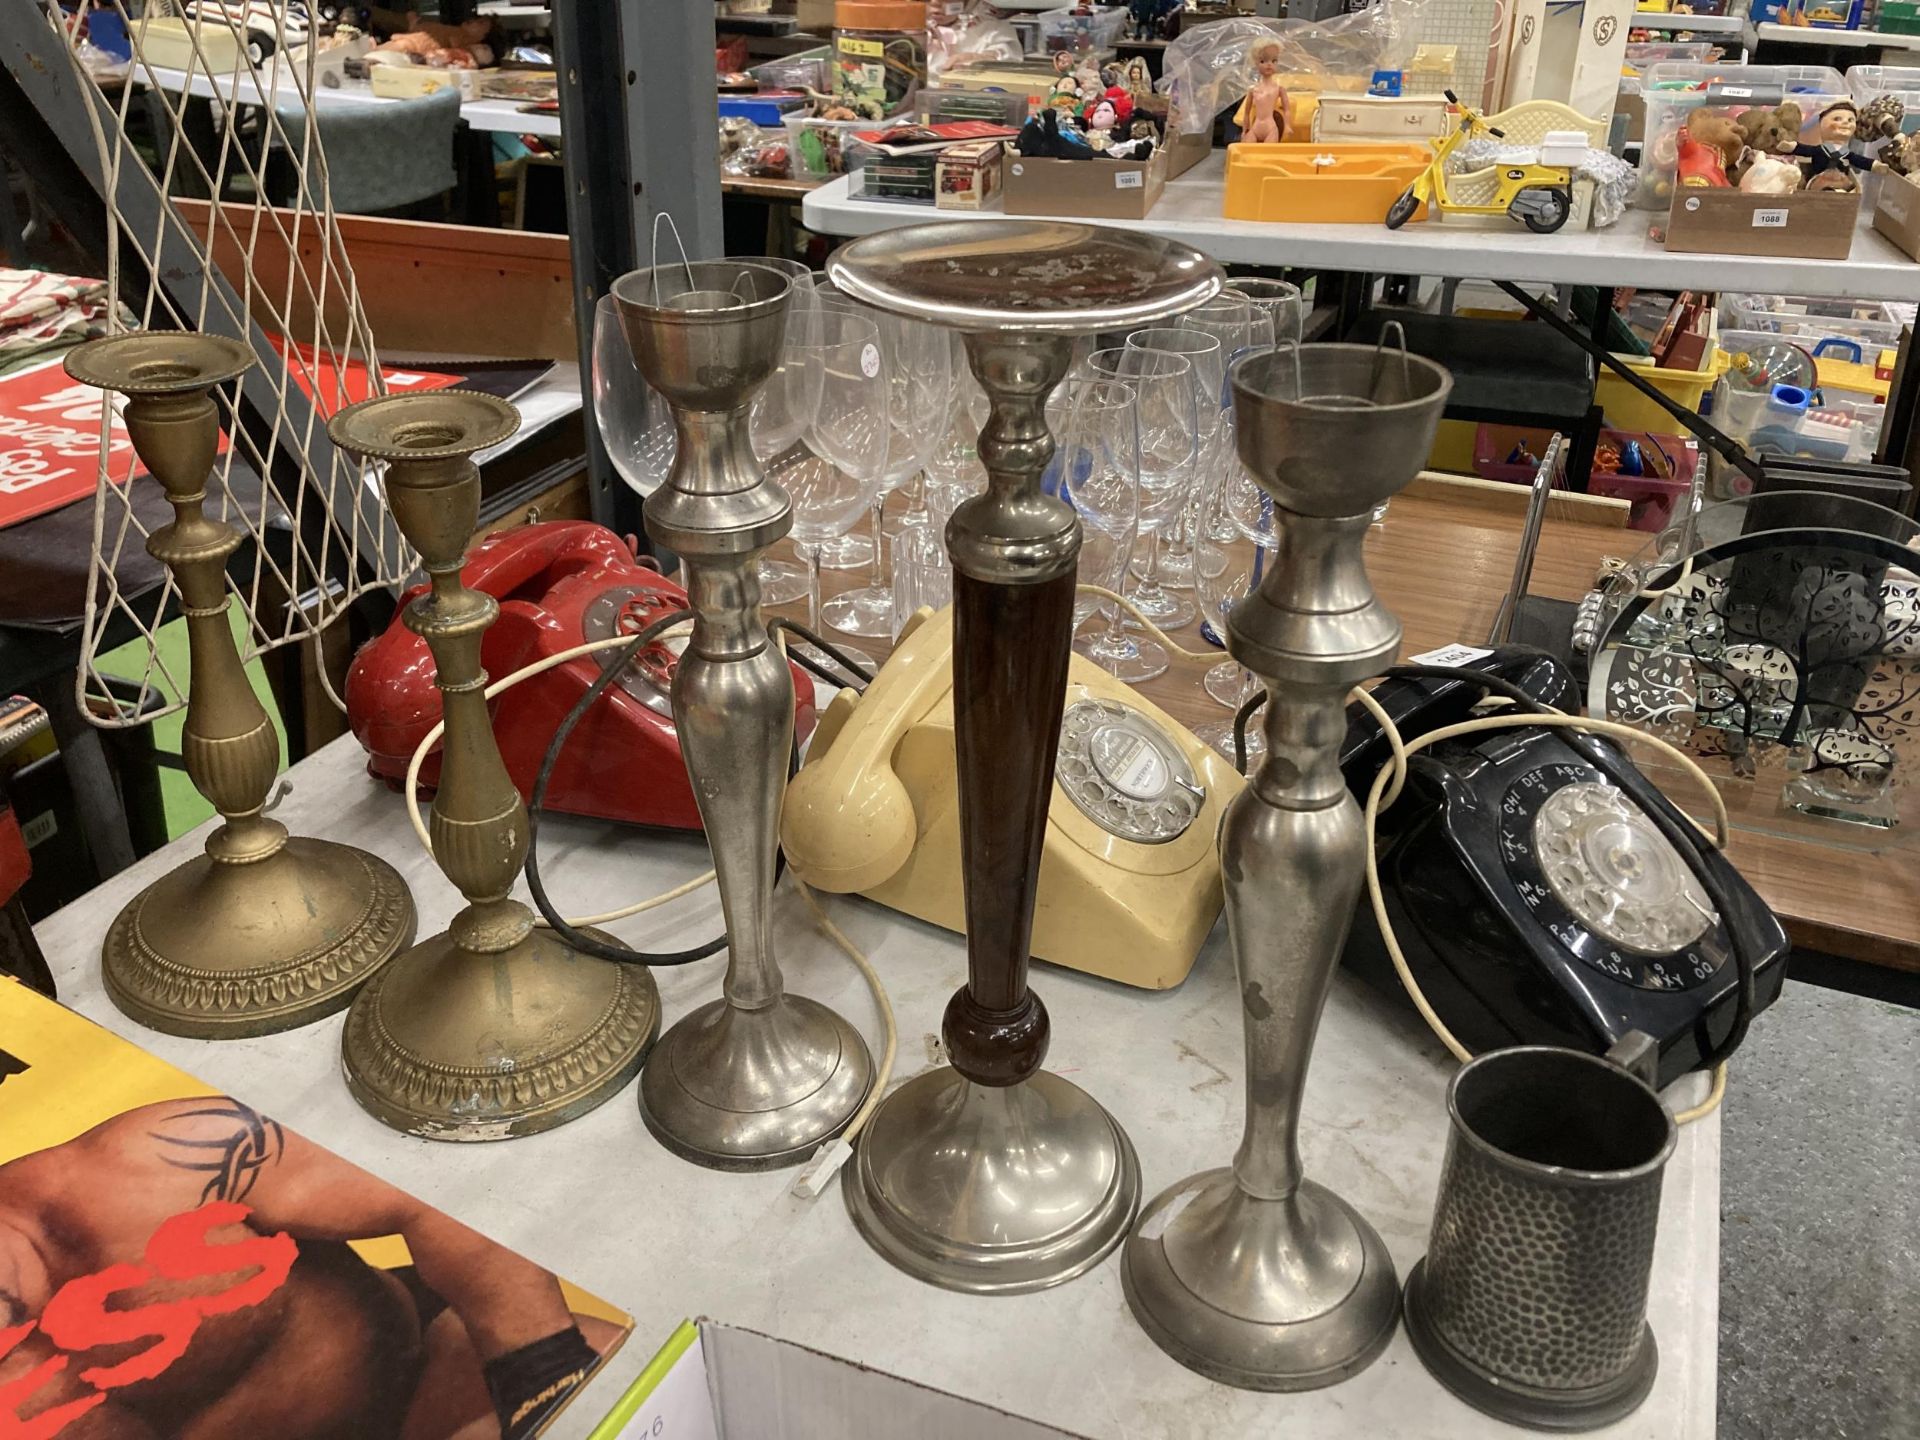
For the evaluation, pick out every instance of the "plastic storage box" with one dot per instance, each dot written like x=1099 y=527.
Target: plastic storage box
x=939 y=103
x=1651 y=496
x=1068 y=29
x=1673 y=90
x=820 y=146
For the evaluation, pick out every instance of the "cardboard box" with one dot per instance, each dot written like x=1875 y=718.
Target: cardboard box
x=967 y=175
x=1186 y=149
x=1896 y=214
x=719 y=1382
x=1814 y=224
x=1093 y=189
x=409 y=82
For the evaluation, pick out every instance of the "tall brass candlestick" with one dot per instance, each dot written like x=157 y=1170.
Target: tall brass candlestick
x=994 y=1175
x=759 y=1078
x=265 y=931
x=1255 y=1275
x=492 y=1028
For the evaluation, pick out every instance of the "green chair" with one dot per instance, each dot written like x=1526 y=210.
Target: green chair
x=382 y=156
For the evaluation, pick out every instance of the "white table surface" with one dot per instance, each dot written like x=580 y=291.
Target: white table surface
x=601 y=1203
x=246 y=89
x=1189 y=210
x=1831 y=38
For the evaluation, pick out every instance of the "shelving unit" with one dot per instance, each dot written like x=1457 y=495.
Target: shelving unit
x=1807 y=36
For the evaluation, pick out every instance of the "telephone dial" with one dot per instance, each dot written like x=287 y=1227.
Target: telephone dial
x=1129 y=881
x=1535 y=897
x=560 y=583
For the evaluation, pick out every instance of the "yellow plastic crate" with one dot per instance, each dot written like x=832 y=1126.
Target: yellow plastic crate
x=1327 y=184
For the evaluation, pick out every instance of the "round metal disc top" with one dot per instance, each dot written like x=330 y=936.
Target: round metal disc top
x=988 y=275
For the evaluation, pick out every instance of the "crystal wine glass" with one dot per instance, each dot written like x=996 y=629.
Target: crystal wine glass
x=1229 y=557
x=635 y=424
x=1169 y=451
x=832 y=481
x=783 y=409
x=1208 y=357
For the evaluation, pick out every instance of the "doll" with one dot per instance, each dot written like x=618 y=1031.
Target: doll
x=1099 y=120
x=1262 y=116
x=1838 y=124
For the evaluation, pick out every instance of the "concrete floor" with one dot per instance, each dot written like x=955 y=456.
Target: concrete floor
x=1820 y=1223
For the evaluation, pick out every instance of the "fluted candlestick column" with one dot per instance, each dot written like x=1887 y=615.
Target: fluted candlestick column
x=265 y=931
x=492 y=1028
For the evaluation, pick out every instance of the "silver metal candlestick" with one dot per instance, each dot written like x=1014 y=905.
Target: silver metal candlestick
x=1254 y=1275
x=757 y=1079
x=993 y=1175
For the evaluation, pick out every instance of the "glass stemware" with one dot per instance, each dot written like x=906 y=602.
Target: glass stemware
x=1169 y=452
x=1208 y=357
x=1096 y=469
x=1285 y=306
x=918 y=362
x=635 y=424
x=832 y=480
x=783 y=409
x=1229 y=557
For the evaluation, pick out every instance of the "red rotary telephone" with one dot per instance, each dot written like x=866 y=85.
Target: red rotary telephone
x=560 y=583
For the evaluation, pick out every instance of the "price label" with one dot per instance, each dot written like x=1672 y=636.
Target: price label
x=1129 y=180
x=1735 y=92
x=670 y=1400
x=873 y=49
x=870 y=361
x=1452 y=655
x=1769 y=219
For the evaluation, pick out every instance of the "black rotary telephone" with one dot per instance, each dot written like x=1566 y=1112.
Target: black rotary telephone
x=1542 y=890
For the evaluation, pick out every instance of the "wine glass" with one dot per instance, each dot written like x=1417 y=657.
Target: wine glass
x=832 y=481
x=783 y=408
x=635 y=424
x=1235 y=321
x=1208 y=357
x=1169 y=449
x=1285 y=306
x=1096 y=470
x=918 y=364
x=1229 y=557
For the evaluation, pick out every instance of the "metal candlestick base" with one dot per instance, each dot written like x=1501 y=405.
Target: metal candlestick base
x=994 y=1176
x=1057 y=1198
x=491 y=1029
x=737 y=1089
x=263 y=932
x=1254 y=1275
x=1266 y=1295
x=760 y=1078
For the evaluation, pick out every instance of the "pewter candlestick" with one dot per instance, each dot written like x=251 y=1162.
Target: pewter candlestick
x=1254 y=1275
x=759 y=1078
x=993 y=1175
x=265 y=931
x=492 y=1028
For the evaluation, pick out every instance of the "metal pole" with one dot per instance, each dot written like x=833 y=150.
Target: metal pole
x=629 y=78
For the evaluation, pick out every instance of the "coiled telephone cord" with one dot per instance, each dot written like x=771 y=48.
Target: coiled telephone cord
x=1389 y=782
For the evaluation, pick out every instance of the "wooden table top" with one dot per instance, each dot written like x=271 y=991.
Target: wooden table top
x=1442 y=561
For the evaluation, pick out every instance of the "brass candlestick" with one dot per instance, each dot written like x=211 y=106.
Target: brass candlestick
x=492 y=1028
x=264 y=931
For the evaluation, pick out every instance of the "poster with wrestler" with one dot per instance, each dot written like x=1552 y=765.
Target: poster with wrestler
x=176 y=1265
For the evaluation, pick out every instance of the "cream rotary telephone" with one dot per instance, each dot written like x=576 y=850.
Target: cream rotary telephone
x=1129 y=878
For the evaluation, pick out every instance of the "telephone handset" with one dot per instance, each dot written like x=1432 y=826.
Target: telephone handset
x=1129 y=882
x=1535 y=897
x=560 y=583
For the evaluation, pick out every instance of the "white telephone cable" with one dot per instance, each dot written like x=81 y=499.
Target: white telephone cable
x=1386 y=790
x=814 y=1177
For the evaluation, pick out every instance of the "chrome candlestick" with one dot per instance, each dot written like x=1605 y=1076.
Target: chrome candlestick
x=994 y=1175
x=1254 y=1275
x=759 y=1078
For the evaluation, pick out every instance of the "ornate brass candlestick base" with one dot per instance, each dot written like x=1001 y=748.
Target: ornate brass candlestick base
x=757 y=1079
x=1254 y=1275
x=263 y=932
x=995 y=1176
x=493 y=1028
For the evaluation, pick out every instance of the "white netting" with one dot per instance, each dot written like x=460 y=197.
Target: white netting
x=332 y=539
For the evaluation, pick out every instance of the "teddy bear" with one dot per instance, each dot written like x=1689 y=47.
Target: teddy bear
x=1767 y=175
x=1710 y=143
x=1767 y=132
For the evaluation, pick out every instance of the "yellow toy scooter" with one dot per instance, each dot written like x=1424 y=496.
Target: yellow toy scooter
x=1539 y=196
